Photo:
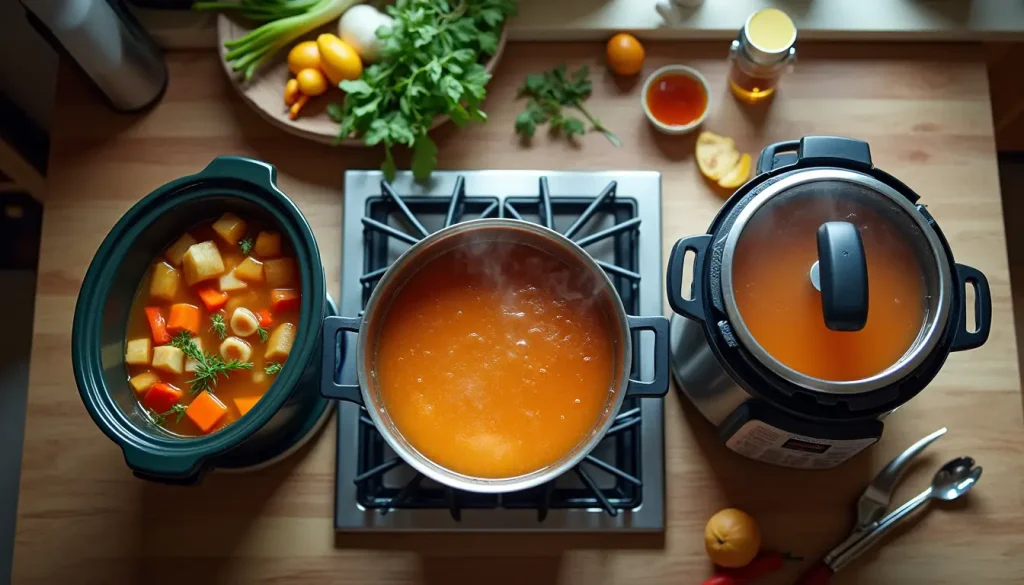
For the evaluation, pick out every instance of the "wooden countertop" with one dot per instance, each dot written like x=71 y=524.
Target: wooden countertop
x=84 y=518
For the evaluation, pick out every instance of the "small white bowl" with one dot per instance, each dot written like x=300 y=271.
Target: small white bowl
x=692 y=74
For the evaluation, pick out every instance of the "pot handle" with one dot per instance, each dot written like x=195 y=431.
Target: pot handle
x=657 y=387
x=332 y=358
x=965 y=339
x=694 y=306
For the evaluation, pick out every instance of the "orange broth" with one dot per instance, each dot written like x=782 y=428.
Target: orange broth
x=783 y=310
x=495 y=365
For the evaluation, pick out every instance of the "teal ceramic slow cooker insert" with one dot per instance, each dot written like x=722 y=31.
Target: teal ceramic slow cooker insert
x=292 y=407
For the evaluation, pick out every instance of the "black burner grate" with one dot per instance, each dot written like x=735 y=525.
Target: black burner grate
x=608 y=478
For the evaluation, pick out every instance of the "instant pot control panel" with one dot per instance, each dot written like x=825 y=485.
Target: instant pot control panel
x=759 y=431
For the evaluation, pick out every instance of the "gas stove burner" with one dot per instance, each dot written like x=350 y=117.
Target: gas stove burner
x=622 y=480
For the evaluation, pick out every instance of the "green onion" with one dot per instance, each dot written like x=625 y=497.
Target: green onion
x=259 y=10
x=247 y=53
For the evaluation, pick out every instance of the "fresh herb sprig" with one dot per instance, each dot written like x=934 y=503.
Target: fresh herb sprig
x=272 y=368
x=210 y=366
x=264 y=335
x=430 y=66
x=219 y=326
x=548 y=94
x=160 y=418
x=245 y=245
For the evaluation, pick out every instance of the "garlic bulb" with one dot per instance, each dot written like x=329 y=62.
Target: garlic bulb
x=358 y=28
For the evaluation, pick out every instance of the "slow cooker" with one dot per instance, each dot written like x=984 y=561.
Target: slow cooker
x=823 y=297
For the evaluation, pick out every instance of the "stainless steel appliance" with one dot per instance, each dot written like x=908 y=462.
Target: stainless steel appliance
x=764 y=407
x=616 y=217
x=108 y=44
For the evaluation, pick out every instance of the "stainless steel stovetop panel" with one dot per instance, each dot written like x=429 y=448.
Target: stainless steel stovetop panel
x=642 y=186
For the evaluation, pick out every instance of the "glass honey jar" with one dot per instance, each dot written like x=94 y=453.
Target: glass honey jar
x=761 y=53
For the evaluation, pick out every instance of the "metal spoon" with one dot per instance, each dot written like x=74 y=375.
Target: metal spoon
x=951 y=481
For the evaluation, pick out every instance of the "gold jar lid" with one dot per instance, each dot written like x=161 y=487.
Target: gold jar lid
x=768 y=36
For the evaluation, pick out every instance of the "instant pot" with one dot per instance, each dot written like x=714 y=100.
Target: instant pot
x=764 y=407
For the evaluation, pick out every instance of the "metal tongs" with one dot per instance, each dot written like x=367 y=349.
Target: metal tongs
x=871 y=509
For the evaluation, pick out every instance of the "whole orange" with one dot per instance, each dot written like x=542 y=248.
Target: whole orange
x=732 y=538
x=625 y=54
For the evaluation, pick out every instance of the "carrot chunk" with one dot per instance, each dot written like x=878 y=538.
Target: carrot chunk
x=161 y=397
x=206 y=411
x=284 y=299
x=157 y=325
x=245 y=403
x=266 y=319
x=212 y=298
x=184 y=317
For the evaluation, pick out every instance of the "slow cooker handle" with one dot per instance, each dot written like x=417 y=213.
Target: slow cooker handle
x=176 y=469
x=965 y=339
x=329 y=387
x=657 y=387
x=694 y=306
x=242 y=169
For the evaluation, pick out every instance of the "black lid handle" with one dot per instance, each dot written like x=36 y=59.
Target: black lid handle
x=843 y=276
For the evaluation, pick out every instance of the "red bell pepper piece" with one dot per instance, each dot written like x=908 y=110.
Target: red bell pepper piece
x=284 y=299
x=161 y=397
x=158 y=326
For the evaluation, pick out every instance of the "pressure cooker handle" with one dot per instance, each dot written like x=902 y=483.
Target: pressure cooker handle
x=965 y=339
x=694 y=306
x=657 y=387
x=815 y=150
x=332 y=358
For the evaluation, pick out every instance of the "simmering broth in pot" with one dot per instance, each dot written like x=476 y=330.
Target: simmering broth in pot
x=495 y=363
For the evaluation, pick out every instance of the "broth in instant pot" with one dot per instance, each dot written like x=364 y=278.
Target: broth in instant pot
x=495 y=362
x=783 y=311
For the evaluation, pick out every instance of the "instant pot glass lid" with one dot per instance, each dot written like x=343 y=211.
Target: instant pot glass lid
x=835 y=281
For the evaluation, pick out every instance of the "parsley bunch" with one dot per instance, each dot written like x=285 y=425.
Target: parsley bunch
x=548 y=94
x=430 y=66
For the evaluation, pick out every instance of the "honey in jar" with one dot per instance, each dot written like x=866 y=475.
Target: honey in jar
x=761 y=53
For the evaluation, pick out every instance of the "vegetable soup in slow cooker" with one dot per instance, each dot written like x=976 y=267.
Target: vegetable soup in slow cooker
x=212 y=323
x=495 y=363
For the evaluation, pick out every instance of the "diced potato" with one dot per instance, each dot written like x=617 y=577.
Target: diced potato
x=268 y=245
x=142 y=382
x=230 y=283
x=202 y=262
x=176 y=252
x=249 y=298
x=191 y=364
x=234 y=348
x=243 y=322
x=250 y=270
x=280 y=272
x=136 y=352
x=165 y=283
x=280 y=343
x=230 y=227
x=169 y=359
